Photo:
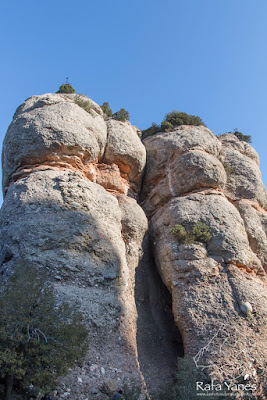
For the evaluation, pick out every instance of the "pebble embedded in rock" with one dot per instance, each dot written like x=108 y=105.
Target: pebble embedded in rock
x=246 y=307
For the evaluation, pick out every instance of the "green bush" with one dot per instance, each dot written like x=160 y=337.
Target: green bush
x=198 y=232
x=242 y=137
x=182 y=235
x=152 y=130
x=177 y=118
x=39 y=339
x=172 y=119
x=85 y=104
x=66 y=88
x=166 y=126
x=121 y=115
x=106 y=109
x=201 y=232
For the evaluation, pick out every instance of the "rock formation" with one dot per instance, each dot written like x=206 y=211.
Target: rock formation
x=67 y=176
x=71 y=181
x=218 y=288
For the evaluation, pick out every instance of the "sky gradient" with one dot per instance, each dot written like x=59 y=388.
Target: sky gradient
x=203 y=57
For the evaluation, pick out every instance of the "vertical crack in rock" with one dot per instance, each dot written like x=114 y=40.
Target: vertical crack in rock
x=159 y=341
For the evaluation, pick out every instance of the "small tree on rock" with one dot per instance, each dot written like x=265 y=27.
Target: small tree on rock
x=242 y=137
x=177 y=118
x=166 y=126
x=152 y=130
x=39 y=337
x=106 y=109
x=121 y=115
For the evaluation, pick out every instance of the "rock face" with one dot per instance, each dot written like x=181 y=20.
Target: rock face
x=67 y=209
x=71 y=181
x=218 y=288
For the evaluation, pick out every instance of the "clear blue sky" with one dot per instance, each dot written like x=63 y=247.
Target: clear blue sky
x=204 y=57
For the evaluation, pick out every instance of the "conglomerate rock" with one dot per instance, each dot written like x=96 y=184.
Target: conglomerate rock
x=71 y=180
x=67 y=211
x=218 y=287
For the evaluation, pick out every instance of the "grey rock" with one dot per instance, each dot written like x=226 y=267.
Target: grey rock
x=51 y=130
x=179 y=162
x=245 y=181
x=125 y=148
x=69 y=182
x=255 y=220
x=60 y=237
x=212 y=284
x=57 y=217
x=231 y=142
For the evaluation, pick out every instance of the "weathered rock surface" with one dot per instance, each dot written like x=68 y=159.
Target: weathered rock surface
x=66 y=210
x=124 y=149
x=218 y=288
x=71 y=180
x=244 y=181
x=53 y=132
x=47 y=129
x=179 y=162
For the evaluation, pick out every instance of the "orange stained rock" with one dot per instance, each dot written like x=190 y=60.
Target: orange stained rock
x=258 y=276
x=109 y=176
x=254 y=204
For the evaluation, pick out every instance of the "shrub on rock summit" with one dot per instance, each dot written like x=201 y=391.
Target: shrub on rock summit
x=172 y=119
x=166 y=126
x=66 y=88
x=121 y=115
x=242 y=137
x=177 y=118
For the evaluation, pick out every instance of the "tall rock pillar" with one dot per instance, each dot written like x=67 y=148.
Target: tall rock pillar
x=70 y=179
